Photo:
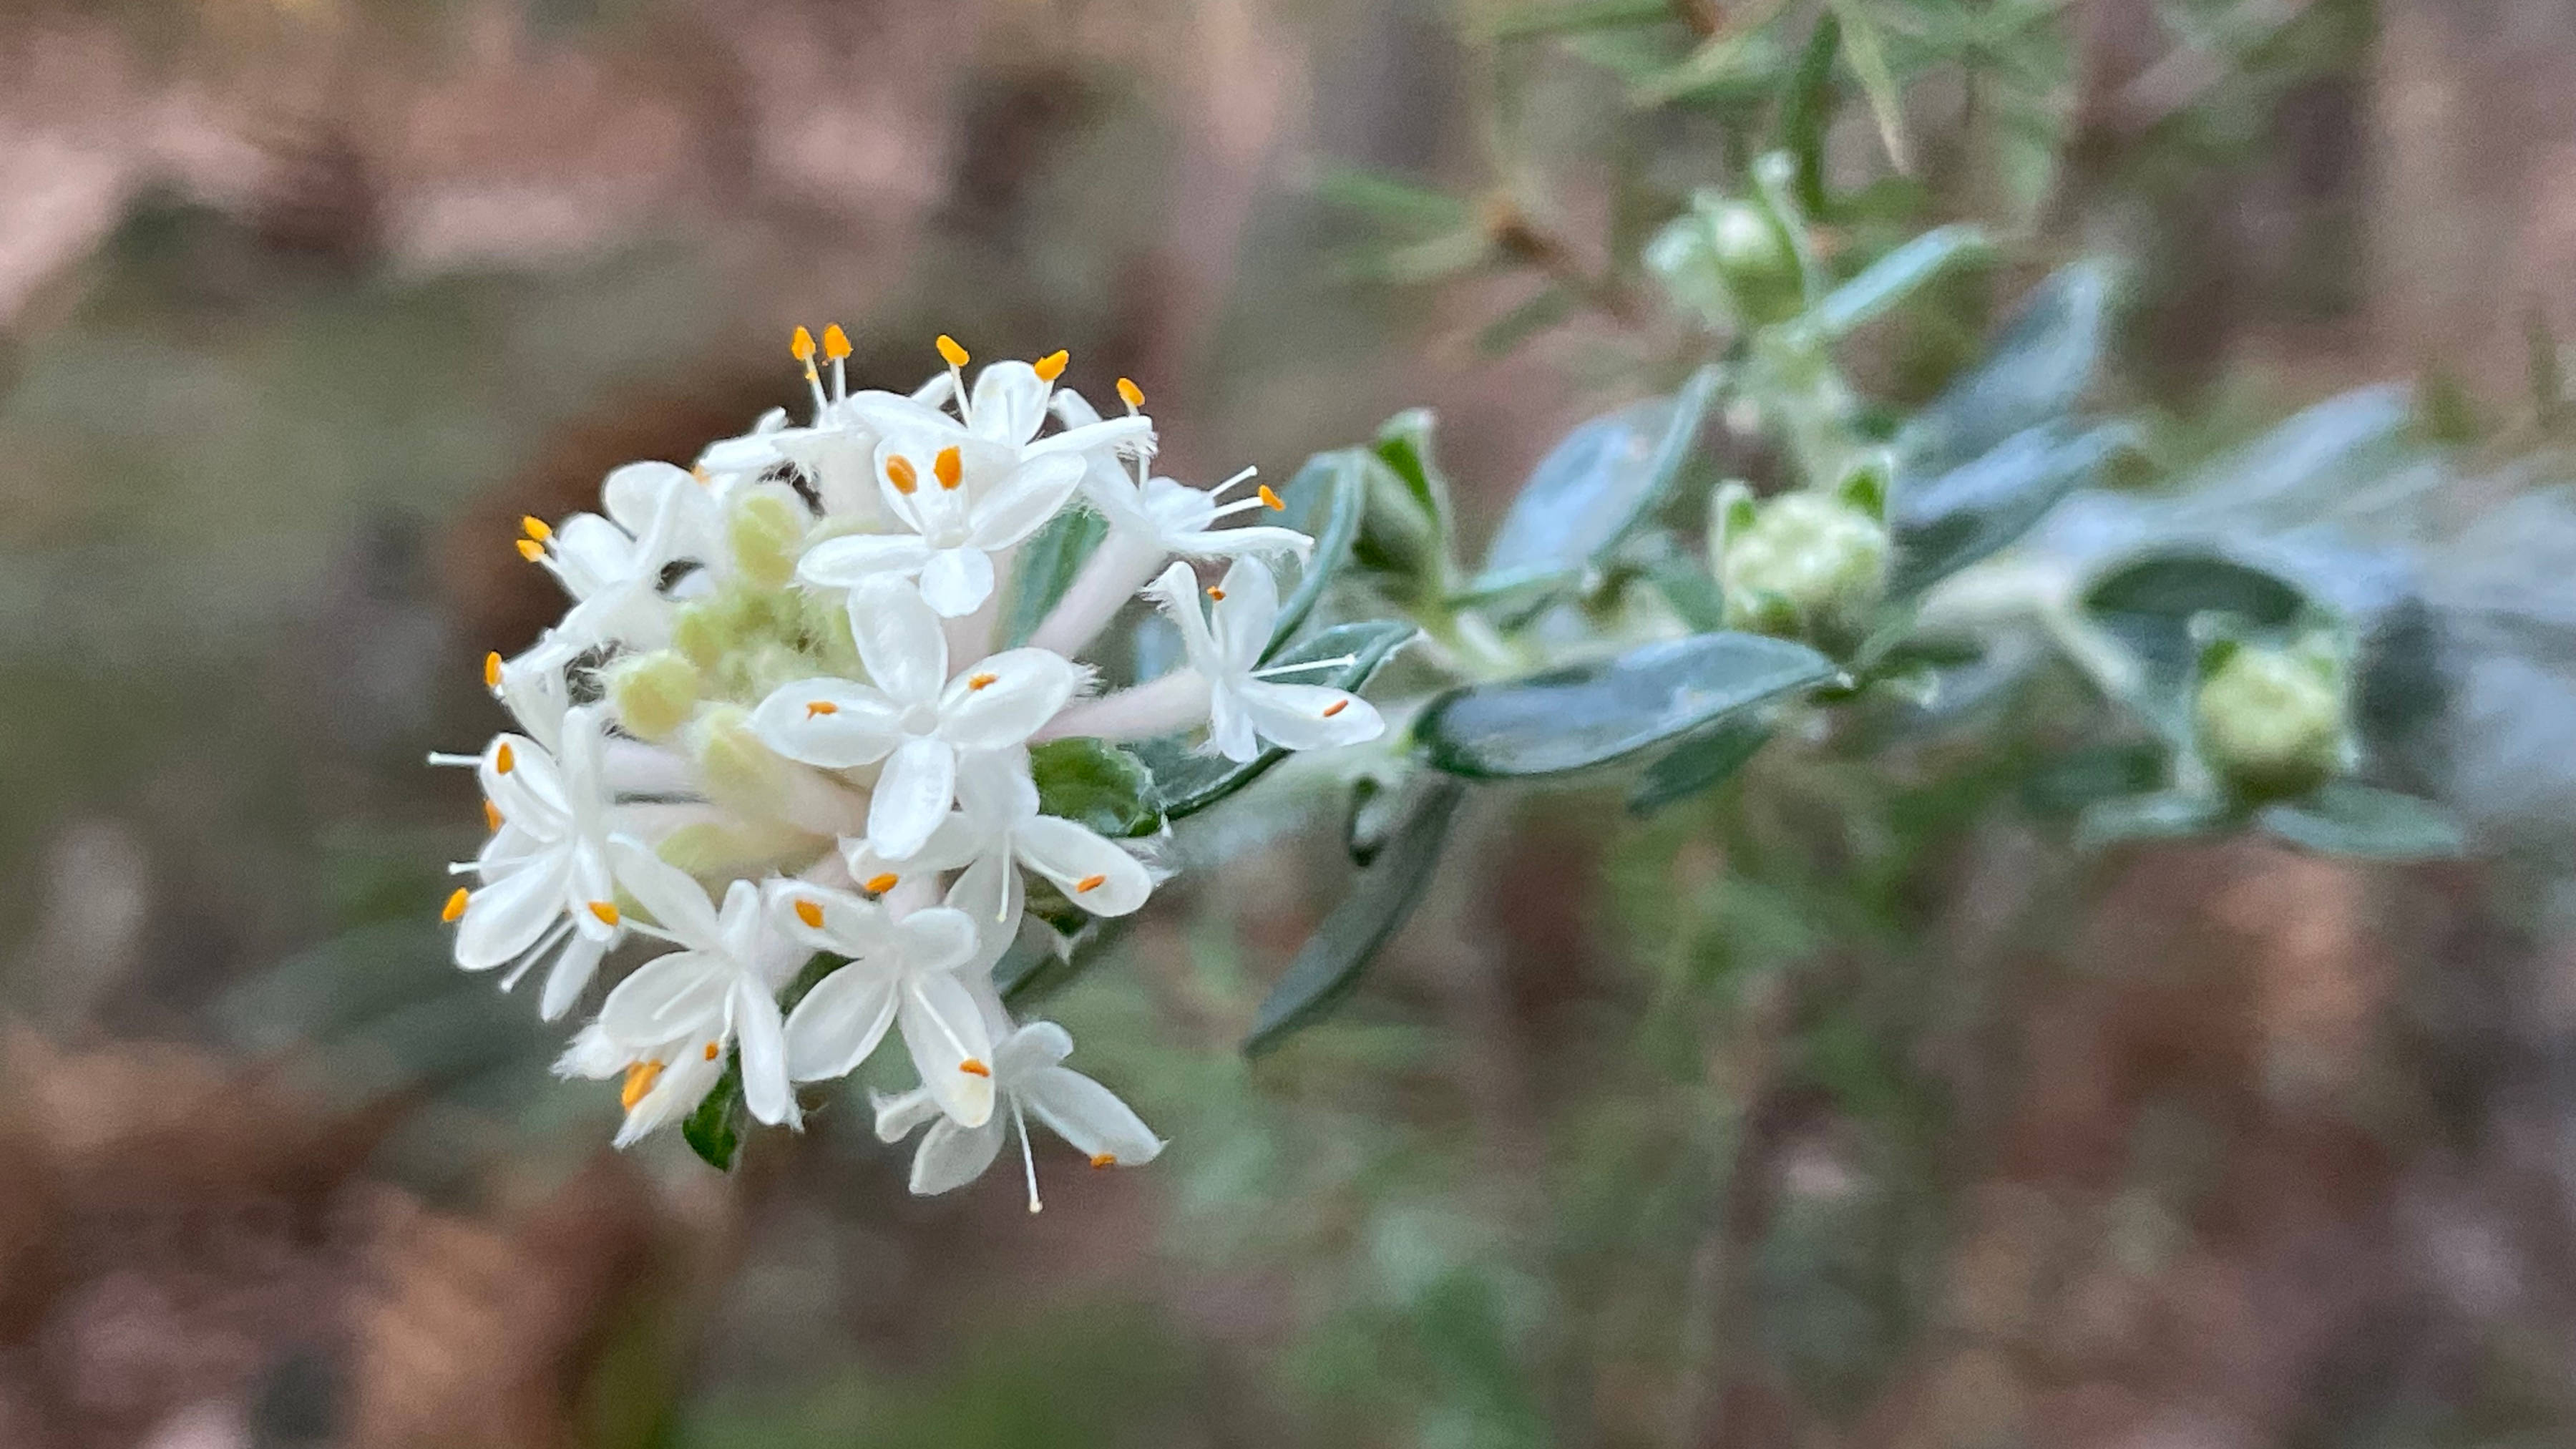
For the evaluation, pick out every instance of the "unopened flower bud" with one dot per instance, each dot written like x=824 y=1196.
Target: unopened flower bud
x=737 y=768
x=1800 y=562
x=1729 y=261
x=653 y=693
x=2271 y=721
x=767 y=532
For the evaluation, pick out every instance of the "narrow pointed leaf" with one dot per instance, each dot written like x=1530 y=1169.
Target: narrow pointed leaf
x=2036 y=371
x=1944 y=524
x=1327 y=499
x=1866 y=49
x=1589 y=714
x=1187 y=780
x=1885 y=284
x=1332 y=961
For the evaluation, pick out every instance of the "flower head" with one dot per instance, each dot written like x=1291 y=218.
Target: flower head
x=1248 y=704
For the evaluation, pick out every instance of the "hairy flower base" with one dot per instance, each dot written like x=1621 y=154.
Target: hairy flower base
x=802 y=742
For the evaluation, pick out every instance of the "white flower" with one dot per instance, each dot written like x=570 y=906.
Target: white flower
x=961 y=491
x=661 y=1087
x=1224 y=647
x=657 y=515
x=914 y=718
x=721 y=986
x=901 y=971
x=953 y=530
x=730 y=464
x=1175 y=517
x=996 y=829
x=546 y=882
x=1031 y=1082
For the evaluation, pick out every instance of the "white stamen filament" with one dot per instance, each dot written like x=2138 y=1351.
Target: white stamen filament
x=1028 y=1159
x=1337 y=662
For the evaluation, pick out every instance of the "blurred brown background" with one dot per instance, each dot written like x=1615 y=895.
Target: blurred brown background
x=303 y=302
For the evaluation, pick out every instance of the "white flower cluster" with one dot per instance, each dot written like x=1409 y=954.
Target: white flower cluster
x=774 y=723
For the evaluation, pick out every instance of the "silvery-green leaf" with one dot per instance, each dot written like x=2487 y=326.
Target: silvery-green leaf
x=1944 y=524
x=714 y=1128
x=1327 y=500
x=1044 y=568
x=2035 y=372
x=1701 y=762
x=1330 y=964
x=2345 y=818
x=1588 y=714
x=1886 y=283
x=2170 y=816
x=1595 y=485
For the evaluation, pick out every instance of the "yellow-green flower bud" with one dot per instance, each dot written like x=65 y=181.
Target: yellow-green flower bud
x=1800 y=562
x=700 y=633
x=2271 y=722
x=653 y=693
x=718 y=850
x=738 y=770
x=767 y=532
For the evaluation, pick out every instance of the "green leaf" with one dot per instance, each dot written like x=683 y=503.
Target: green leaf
x=1588 y=714
x=2344 y=818
x=2036 y=371
x=1327 y=500
x=1739 y=58
x=1886 y=283
x=1392 y=199
x=1699 y=763
x=2147 y=605
x=1095 y=784
x=1866 y=49
x=1187 y=781
x=714 y=1130
x=1559 y=18
x=1546 y=308
x=1329 y=965
x=1046 y=567
x=1944 y=525
x=1807 y=109
x=1596 y=485
x=1405 y=529
x=2169 y=816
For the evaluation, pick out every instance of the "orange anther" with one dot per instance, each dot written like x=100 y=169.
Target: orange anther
x=455 y=905
x=491 y=814
x=1270 y=500
x=531 y=550
x=1051 y=366
x=639 y=1080
x=1216 y=593
x=801 y=346
x=836 y=343
x=1336 y=707
x=1130 y=394
x=899 y=473
x=503 y=760
x=606 y=911
x=949 y=350
x=980 y=681
x=1089 y=883
x=949 y=467
x=714 y=1050
x=877 y=885
x=811 y=913
x=1103 y=1159
x=492 y=670
x=821 y=706
x=974 y=1068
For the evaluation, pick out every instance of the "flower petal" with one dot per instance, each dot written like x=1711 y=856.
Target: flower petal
x=945 y=1032
x=669 y=998
x=763 y=1047
x=1090 y=1116
x=1034 y=492
x=951 y=1156
x=988 y=893
x=635 y=494
x=1230 y=542
x=1242 y=620
x=1038 y=1045
x=1021 y=689
x=1010 y=402
x=507 y=915
x=1308 y=716
x=531 y=791
x=1230 y=727
x=903 y=1113
x=854 y=559
x=571 y=973
x=677 y=903
x=1176 y=591
x=900 y=641
x=912 y=797
x=935 y=939
x=1093 y=873
x=955 y=582
x=839 y=1022
x=852 y=927
x=856 y=725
